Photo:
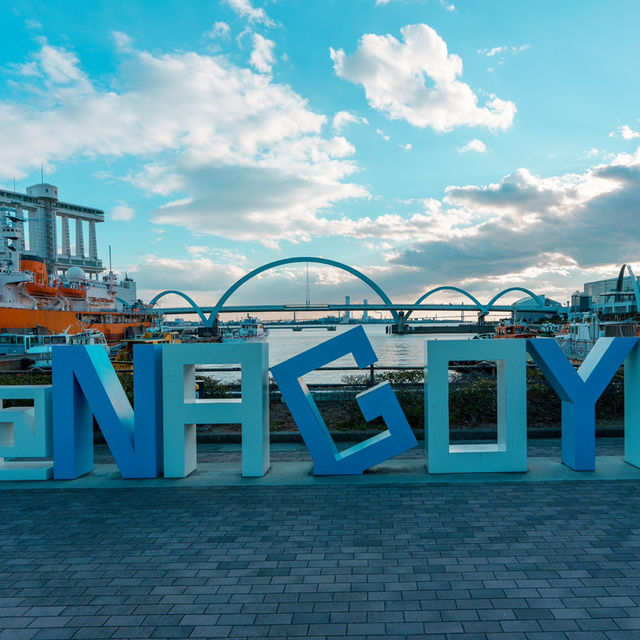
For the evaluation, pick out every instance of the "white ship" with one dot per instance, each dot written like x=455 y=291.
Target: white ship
x=41 y=353
x=577 y=338
x=250 y=330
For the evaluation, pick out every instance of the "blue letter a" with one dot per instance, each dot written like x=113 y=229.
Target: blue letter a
x=86 y=385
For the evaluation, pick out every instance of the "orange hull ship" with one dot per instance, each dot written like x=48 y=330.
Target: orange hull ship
x=35 y=302
x=115 y=325
x=61 y=298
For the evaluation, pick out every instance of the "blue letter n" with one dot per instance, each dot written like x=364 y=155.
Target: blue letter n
x=85 y=385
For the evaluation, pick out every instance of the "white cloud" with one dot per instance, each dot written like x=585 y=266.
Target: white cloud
x=545 y=233
x=474 y=145
x=122 y=40
x=501 y=53
x=490 y=53
x=526 y=227
x=197 y=250
x=237 y=155
x=219 y=30
x=262 y=57
x=245 y=9
x=418 y=81
x=625 y=132
x=193 y=275
x=407 y=147
x=343 y=118
x=383 y=135
x=449 y=6
x=123 y=212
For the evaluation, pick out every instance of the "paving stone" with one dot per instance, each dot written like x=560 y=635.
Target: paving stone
x=516 y=561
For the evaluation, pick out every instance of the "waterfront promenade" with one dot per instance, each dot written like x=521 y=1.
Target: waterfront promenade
x=473 y=560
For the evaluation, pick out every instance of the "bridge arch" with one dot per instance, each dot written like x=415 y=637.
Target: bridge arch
x=634 y=284
x=423 y=297
x=195 y=306
x=533 y=296
x=278 y=263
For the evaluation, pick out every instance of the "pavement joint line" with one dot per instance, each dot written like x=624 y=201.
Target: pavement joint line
x=300 y=473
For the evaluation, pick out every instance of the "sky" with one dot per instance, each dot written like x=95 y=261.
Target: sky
x=480 y=144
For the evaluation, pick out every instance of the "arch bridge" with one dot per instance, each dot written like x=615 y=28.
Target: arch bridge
x=400 y=312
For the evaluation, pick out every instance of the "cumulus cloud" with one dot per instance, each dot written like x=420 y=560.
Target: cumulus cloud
x=123 y=212
x=343 y=118
x=236 y=154
x=193 y=275
x=526 y=225
x=544 y=233
x=219 y=30
x=417 y=80
x=474 y=145
x=122 y=41
x=625 y=132
x=245 y=9
x=262 y=58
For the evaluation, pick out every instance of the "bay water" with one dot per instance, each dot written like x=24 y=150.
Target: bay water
x=392 y=350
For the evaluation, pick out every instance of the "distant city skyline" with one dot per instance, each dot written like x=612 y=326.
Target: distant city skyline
x=424 y=142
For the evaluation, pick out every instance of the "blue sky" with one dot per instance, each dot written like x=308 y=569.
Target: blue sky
x=427 y=142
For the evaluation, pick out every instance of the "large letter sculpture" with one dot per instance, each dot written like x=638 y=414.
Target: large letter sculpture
x=632 y=407
x=25 y=432
x=84 y=383
x=375 y=402
x=182 y=411
x=579 y=390
x=509 y=453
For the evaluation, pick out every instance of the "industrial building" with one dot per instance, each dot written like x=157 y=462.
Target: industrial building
x=45 y=224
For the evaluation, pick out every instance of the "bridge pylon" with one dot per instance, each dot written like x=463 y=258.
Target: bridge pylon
x=401 y=322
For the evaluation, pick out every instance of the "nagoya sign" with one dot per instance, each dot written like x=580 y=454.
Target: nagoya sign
x=159 y=437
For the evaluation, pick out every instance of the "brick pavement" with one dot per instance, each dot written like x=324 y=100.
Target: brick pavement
x=508 y=561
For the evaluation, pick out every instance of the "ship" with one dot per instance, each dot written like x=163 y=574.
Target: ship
x=250 y=330
x=578 y=337
x=48 y=285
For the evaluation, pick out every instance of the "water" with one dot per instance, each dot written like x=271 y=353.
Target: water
x=392 y=350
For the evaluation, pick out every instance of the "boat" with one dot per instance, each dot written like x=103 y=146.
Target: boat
x=20 y=343
x=122 y=355
x=250 y=330
x=577 y=337
x=40 y=353
x=513 y=331
x=49 y=290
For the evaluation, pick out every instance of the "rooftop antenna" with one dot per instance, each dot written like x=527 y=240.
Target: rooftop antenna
x=41 y=173
x=109 y=258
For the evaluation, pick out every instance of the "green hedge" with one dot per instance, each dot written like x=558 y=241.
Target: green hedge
x=472 y=397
